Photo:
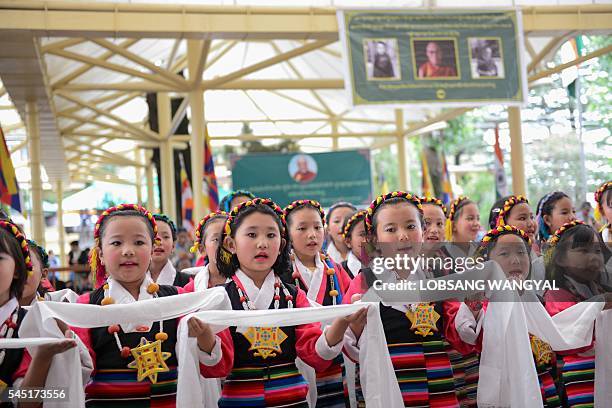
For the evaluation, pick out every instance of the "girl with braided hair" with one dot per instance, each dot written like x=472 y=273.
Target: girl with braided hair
x=354 y=233
x=462 y=227
x=162 y=271
x=34 y=290
x=336 y=248
x=260 y=363
x=603 y=210
x=323 y=280
x=207 y=238
x=418 y=352
x=575 y=260
x=124 y=236
x=553 y=210
x=234 y=199
x=17 y=367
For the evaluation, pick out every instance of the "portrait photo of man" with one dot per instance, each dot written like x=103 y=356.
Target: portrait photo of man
x=381 y=59
x=486 y=58
x=435 y=58
x=303 y=168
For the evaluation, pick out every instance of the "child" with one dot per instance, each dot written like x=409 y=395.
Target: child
x=554 y=210
x=17 y=368
x=603 y=209
x=123 y=238
x=434 y=215
x=161 y=270
x=353 y=232
x=462 y=226
x=418 y=352
x=33 y=290
x=336 y=248
x=208 y=233
x=324 y=282
x=234 y=199
x=575 y=261
x=260 y=362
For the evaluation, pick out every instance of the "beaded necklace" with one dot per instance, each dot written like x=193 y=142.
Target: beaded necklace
x=328 y=270
x=7 y=329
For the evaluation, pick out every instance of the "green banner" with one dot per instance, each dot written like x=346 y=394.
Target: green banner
x=453 y=58
x=325 y=177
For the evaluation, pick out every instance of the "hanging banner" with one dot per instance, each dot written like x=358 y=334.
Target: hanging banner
x=325 y=177
x=450 y=58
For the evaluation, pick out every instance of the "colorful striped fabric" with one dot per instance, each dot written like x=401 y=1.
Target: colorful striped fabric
x=578 y=377
x=268 y=386
x=465 y=373
x=550 y=395
x=424 y=374
x=119 y=388
x=330 y=386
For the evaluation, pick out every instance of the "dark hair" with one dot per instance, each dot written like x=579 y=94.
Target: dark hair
x=226 y=202
x=359 y=217
x=282 y=265
x=126 y=213
x=339 y=204
x=289 y=214
x=390 y=202
x=72 y=243
x=580 y=235
x=43 y=257
x=167 y=220
x=546 y=205
x=495 y=210
x=489 y=241
x=10 y=245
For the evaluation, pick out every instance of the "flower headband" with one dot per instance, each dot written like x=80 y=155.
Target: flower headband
x=300 y=203
x=23 y=243
x=256 y=201
x=382 y=198
x=355 y=218
x=498 y=232
x=44 y=256
x=455 y=205
x=598 y=194
x=199 y=232
x=556 y=237
x=435 y=201
x=97 y=269
x=227 y=200
x=508 y=204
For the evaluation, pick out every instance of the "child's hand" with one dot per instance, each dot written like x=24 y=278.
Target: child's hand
x=474 y=303
x=47 y=351
x=335 y=333
x=356 y=298
x=203 y=333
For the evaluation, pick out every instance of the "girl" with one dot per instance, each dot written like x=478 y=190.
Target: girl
x=354 y=235
x=575 y=261
x=462 y=226
x=33 y=290
x=123 y=238
x=337 y=249
x=17 y=368
x=324 y=282
x=554 y=210
x=434 y=215
x=414 y=334
x=260 y=362
x=161 y=270
x=207 y=236
x=234 y=199
x=603 y=199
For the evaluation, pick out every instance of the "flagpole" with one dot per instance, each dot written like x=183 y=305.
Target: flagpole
x=581 y=192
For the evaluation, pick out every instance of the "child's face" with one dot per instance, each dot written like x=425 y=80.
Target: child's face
x=562 y=213
x=257 y=244
x=182 y=238
x=163 y=249
x=306 y=233
x=583 y=263
x=7 y=272
x=512 y=256
x=126 y=249
x=434 y=223
x=31 y=285
x=522 y=218
x=335 y=226
x=357 y=238
x=399 y=229
x=467 y=225
x=211 y=243
x=606 y=204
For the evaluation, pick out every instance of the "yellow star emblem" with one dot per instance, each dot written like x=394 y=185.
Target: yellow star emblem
x=265 y=341
x=541 y=350
x=149 y=359
x=3 y=386
x=423 y=319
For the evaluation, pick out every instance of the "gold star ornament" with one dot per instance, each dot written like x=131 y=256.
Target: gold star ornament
x=423 y=319
x=149 y=359
x=541 y=350
x=265 y=341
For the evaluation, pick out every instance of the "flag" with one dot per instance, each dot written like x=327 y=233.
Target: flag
x=9 y=189
x=570 y=51
x=426 y=185
x=501 y=187
x=209 y=182
x=447 y=188
x=186 y=199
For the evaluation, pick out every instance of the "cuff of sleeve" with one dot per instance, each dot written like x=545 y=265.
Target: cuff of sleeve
x=351 y=345
x=466 y=325
x=214 y=357
x=324 y=350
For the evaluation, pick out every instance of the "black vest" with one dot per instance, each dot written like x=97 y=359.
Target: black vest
x=181 y=279
x=13 y=357
x=105 y=346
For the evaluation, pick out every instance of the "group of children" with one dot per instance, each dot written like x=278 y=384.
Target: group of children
x=263 y=257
